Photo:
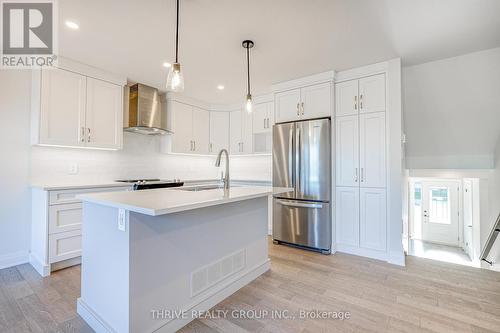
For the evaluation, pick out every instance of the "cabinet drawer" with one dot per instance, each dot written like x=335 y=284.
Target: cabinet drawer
x=69 y=196
x=65 y=245
x=66 y=217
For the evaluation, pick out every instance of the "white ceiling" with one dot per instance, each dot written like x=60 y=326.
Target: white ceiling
x=292 y=38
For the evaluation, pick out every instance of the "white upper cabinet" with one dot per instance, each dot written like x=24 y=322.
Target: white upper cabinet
x=72 y=109
x=287 y=105
x=347 y=149
x=104 y=117
x=372 y=93
x=346 y=98
x=241 y=132
x=372 y=230
x=314 y=101
x=372 y=149
x=201 y=131
x=263 y=118
x=59 y=108
x=360 y=96
x=181 y=122
x=191 y=127
x=219 y=131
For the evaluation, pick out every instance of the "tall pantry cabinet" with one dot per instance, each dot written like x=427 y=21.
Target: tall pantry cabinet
x=361 y=217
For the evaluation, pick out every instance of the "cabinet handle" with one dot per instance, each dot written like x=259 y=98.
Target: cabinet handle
x=191 y=145
x=265 y=123
x=302 y=108
x=361 y=101
x=194 y=145
x=88 y=137
x=242 y=147
x=356 y=175
x=298 y=112
x=211 y=147
x=355 y=102
x=362 y=175
x=82 y=134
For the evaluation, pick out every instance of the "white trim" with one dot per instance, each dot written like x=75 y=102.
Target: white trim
x=42 y=268
x=304 y=81
x=358 y=251
x=357 y=73
x=396 y=258
x=172 y=96
x=94 y=72
x=204 y=304
x=13 y=259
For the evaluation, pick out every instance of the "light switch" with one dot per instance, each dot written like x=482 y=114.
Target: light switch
x=73 y=169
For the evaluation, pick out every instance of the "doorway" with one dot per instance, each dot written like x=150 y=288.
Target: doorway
x=438 y=220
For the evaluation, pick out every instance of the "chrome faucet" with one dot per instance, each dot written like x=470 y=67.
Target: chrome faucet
x=226 y=174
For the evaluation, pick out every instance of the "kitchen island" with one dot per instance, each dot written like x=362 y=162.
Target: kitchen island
x=152 y=260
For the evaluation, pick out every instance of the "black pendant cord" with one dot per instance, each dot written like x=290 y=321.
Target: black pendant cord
x=177 y=35
x=248 y=69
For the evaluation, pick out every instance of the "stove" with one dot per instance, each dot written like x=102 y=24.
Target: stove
x=145 y=184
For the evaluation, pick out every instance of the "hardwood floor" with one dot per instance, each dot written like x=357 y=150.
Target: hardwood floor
x=424 y=296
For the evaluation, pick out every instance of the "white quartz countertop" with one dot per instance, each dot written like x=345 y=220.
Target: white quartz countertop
x=167 y=201
x=78 y=185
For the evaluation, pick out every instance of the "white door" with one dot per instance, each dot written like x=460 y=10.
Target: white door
x=372 y=93
x=104 y=116
x=440 y=212
x=346 y=98
x=182 y=126
x=287 y=105
x=219 y=131
x=468 y=217
x=347 y=151
x=201 y=130
x=246 y=133
x=316 y=101
x=347 y=215
x=235 y=125
x=62 y=116
x=260 y=115
x=372 y=222
x=372 y=149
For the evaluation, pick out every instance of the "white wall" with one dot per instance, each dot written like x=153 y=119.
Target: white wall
x=22 y=165
x=495 y=204
x=451 y=108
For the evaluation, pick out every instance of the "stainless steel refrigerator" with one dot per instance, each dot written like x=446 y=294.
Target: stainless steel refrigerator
x=302 y=160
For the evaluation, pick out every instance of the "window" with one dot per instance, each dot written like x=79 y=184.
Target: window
x=439 y=205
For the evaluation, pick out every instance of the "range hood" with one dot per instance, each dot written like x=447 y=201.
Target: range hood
x=143 y=111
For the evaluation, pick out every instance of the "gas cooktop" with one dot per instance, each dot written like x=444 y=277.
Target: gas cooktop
x=144 y=184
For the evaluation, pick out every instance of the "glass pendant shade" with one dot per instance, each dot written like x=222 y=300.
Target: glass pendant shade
x=248 y=103
x=175 y=79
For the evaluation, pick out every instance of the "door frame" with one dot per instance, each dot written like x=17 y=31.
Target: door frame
x=412 y=225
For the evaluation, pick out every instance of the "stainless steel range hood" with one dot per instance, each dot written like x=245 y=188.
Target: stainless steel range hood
x=143 y=111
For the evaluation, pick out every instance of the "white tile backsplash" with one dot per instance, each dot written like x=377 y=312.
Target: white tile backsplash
x=140 y=158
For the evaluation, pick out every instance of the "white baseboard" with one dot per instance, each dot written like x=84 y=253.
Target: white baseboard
x=397 y=258
x=100 y=325
x=13 y=259
x=357 y=251
x=39 y=266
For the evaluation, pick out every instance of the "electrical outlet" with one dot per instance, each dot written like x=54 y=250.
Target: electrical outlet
x=73 y=169
x=121 y=219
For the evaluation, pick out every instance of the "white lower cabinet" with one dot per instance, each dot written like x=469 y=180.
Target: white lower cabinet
x=56 y=227
x=361 y=221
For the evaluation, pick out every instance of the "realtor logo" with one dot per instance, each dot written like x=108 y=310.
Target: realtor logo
x=28 y=33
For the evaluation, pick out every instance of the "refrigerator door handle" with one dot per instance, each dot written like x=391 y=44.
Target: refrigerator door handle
x=298 y=161
x=300 y=204
x=291 y=156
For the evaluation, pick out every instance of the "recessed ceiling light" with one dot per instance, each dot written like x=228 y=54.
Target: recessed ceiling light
x=220 y=87
x=167 y=65
x=72 y=25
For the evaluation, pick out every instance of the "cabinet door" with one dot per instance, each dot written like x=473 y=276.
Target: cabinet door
x=219 y=131
x=104 y=115
x=270 y=116
x=372 y=93
x=201 y=130
x=182 y=126
x=346 y=98
x=316 y=101
x=347 y=216
x=347 y=151
x=287 y=105
x=235 y=125
x=62 y=113
x=260 y=115
x=373 y=223
x=372 y=149
x=246 y=132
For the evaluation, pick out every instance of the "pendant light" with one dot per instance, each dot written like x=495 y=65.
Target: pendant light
x=175 y=79
x=248 y=44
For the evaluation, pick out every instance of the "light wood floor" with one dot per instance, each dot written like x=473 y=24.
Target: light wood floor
x=424 y=296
